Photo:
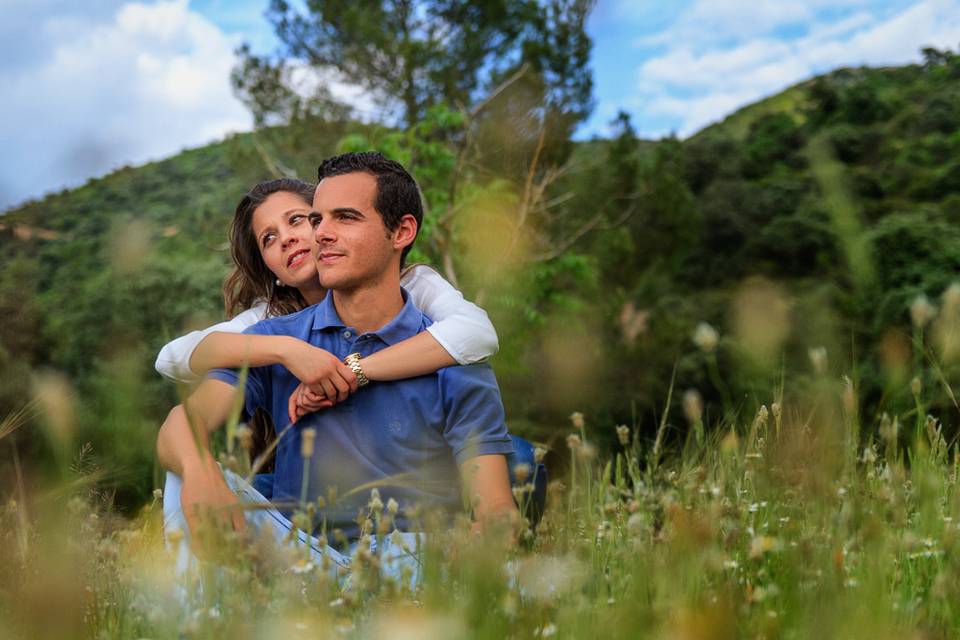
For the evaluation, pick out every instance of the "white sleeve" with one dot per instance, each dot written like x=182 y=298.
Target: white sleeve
x=173 y=361
x=461 y=327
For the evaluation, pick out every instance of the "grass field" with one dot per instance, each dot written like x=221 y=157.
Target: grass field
x=791 y=524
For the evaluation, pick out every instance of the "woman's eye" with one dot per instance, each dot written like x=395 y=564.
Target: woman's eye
x=296 y=219
x=267 y=239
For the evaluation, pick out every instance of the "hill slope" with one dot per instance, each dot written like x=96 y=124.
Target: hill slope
x=842 y=193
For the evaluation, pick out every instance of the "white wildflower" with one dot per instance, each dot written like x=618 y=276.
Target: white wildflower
x=818 y=358
x=706 y=337
x=921 y=311
x=577 y=420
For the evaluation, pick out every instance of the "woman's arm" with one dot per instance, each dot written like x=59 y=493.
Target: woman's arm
x=175 y=360
x=459 y=326
x=418 y=355
x=461 y=332
x=316 y=368
x=187 y=358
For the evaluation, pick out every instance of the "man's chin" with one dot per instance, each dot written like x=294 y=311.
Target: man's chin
x=334 y=281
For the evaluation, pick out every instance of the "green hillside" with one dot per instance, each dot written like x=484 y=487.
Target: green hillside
x=823 y=211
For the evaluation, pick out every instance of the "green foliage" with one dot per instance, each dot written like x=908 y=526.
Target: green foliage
x=861 y=104
x=439 y=52
x=915 y=252
x=773 y=138
x=596 y=284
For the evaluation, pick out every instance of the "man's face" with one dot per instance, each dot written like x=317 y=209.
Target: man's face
x=352 y=246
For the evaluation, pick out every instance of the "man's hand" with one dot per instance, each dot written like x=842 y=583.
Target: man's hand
x=304 y=400
x=207 y=501
x=320 y=371
x=487 y=484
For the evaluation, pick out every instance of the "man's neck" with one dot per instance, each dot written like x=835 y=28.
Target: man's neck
x=370 y=306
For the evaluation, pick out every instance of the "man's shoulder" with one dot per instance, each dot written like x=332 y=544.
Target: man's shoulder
x=408 y=322
x=461 y=377
x=285 y=325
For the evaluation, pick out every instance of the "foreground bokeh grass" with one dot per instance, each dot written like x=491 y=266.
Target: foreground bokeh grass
x=793 y=523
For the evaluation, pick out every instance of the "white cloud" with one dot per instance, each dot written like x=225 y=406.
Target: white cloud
x=136 y=83
x=931 y=23
x=711 y=22
x=699 y=80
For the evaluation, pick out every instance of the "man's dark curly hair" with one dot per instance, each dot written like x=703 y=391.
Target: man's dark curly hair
x=397 y=191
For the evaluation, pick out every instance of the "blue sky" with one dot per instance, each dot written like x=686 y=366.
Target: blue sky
x=93 y=86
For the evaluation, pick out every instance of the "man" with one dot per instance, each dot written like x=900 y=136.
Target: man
x=412 y=438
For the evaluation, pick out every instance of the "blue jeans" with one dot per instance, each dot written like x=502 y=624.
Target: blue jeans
x=397 y=552
x=533 y=504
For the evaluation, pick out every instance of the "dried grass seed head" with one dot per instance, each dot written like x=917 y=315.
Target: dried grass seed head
x=693 y=406
x=818 y=359
x=706 y=337
x=307 y=438
x=577 y=420
x=922 y=312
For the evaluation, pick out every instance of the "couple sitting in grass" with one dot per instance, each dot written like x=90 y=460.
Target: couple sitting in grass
x=322 y=272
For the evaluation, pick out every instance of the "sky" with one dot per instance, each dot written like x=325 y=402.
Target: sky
x=92 y=86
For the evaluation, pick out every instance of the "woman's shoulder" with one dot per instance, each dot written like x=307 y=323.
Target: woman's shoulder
x=418 y=272
x=257 y=312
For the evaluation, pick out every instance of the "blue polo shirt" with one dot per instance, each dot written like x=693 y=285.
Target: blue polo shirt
x=407 y=437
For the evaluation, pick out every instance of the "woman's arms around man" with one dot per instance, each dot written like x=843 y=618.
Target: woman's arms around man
x=461 y=334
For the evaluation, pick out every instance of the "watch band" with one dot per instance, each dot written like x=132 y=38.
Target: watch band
x=353 y=361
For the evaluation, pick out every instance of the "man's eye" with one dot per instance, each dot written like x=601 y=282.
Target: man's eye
x=313 y=220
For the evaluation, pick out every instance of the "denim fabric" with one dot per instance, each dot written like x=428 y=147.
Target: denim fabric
x=533 y=504
x=395 y=553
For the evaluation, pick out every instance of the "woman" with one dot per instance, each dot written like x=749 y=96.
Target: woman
x=275 y=274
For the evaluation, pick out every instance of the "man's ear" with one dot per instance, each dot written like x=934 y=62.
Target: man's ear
x=405 y=233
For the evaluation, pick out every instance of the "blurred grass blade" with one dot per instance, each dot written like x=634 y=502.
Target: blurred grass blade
x=18 y=418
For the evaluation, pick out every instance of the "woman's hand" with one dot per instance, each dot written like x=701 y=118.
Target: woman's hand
x=319 y=370
x=303 y=401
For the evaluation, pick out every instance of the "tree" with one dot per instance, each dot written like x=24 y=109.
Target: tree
x=413 y=55
x=21 y=339
x=933 y=57
x=623 y=158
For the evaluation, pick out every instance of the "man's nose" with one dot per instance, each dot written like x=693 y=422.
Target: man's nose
x=323 y=232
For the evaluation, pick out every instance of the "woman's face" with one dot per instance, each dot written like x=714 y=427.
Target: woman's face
x=285 y=238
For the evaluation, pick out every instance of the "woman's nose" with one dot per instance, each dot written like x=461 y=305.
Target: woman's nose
x=287 y=239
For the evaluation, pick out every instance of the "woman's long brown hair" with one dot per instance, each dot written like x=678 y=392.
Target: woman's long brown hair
x=251 y=281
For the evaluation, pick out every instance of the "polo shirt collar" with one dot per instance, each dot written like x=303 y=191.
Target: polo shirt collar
x=325 y=314
x=405 y=324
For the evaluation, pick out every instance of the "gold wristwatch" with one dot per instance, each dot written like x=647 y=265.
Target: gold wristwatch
x=353 y=361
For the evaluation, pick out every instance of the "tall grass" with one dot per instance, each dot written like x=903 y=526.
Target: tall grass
x=786 y=523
